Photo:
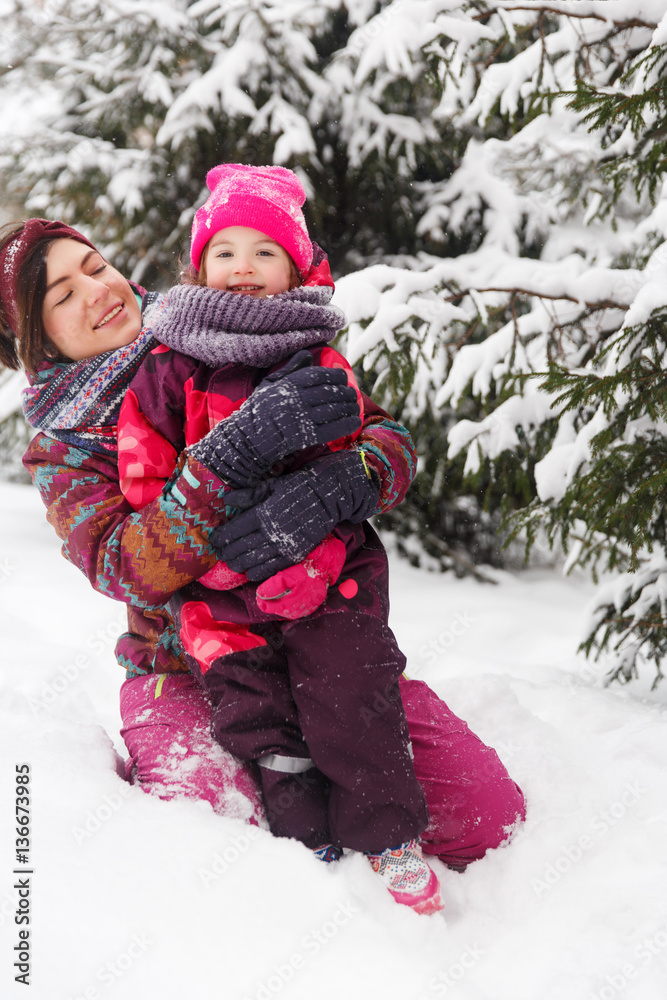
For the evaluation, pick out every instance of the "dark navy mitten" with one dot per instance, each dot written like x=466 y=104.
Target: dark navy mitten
x=293 y=408
x=293 y=513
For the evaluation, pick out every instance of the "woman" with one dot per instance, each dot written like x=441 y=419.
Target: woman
x=143 y=557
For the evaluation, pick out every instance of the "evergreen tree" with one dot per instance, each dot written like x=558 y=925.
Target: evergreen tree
x=147 y=96
x=583 y=370
x=610 y=504
x=487 y=178
x=140 y=99
x=15 y=433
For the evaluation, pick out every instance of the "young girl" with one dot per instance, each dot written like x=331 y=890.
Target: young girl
x=297 y=696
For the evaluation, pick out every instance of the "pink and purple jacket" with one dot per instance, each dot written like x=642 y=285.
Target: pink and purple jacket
x=173 y=401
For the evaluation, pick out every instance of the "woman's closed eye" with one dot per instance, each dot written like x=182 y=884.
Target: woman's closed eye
x=67 y=295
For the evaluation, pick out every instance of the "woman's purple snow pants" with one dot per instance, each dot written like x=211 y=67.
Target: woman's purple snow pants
x=473 y=802
x=167 y=731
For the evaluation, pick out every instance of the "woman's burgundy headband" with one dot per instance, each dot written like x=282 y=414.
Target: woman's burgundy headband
x=16 y=250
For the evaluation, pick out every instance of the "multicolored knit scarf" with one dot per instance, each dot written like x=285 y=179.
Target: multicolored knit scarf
x=78 y=401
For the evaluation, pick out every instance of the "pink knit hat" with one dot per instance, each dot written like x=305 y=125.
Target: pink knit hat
x=265 y=198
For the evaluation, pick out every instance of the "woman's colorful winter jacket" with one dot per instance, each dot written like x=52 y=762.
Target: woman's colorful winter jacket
x=143 y=557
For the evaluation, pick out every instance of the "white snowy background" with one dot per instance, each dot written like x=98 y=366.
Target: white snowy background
x=135 y=898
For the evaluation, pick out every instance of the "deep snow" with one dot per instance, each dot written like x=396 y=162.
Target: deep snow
x=134 y=898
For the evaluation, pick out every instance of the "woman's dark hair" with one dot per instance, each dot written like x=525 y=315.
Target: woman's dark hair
x=27 y=345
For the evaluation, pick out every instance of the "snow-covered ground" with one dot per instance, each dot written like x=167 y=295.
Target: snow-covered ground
x=132 y=898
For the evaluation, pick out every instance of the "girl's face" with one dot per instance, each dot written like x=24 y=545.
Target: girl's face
x=89 y=307
x=245 y=261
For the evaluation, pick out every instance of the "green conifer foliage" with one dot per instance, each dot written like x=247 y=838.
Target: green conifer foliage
x=611 y=398
x=488 y=180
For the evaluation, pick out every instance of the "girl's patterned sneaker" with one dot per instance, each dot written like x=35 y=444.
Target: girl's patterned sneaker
x=328 y=853
x=408 y=877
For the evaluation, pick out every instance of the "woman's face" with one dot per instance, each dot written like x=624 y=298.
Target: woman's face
x=89 y=307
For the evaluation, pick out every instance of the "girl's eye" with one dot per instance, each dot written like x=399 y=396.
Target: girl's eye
x=224 y=253
x=268 y=253
x=64 y=299
x=99 y=269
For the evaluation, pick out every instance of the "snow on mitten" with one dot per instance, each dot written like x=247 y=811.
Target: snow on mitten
x=299 y=590
x=282 y=520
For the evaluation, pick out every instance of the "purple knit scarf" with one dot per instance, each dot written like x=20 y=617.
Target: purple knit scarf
x=219 y=328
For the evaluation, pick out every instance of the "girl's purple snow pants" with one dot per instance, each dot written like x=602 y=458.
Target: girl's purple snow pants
x=304 y=706
x=473 y=803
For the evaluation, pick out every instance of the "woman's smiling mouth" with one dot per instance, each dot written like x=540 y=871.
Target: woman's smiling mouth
x=109 y=316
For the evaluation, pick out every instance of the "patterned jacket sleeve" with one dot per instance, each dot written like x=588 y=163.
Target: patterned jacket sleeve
x=389 y=451
x=140 y=557
x=386 y=445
